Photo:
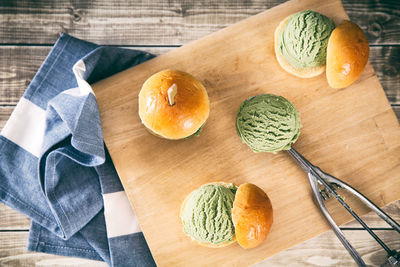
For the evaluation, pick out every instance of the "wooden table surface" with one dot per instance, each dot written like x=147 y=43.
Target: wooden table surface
x=28 y=29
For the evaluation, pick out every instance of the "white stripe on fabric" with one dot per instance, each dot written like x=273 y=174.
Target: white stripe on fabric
x=120 y=218
x=26 y=126
x=83 y=87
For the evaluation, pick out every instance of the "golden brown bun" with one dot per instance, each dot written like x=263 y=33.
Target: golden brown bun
x=185 y=117
x=347 y=54
x=209 y=245
x=252 y=215
x=302 y=72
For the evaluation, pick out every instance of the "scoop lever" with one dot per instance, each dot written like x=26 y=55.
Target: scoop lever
x=316 y=176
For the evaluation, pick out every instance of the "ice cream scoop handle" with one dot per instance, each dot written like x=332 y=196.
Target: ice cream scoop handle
x=316 y=175
x=314 y=187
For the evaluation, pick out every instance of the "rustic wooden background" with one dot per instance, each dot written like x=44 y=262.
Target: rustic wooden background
x=28 y=29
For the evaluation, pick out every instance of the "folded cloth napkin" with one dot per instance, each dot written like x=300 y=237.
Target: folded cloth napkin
x=54 y=167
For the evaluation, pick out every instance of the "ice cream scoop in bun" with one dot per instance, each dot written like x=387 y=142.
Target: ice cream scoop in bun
x=218 y=214
x=300 y=43
x=206 y=214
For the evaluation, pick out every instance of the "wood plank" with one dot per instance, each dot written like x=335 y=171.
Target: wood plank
x=397 y=111
x=393 y=210
x=12 y=219
x=305 y=254
x=17 y=57
x=364 y=127
x=13 y=253
x=158 y=22
x=5 y=113
x=324 y=250
x=133 y=23
x=378 y=29
x=18 y=65
x=380 y=20
x=386 y=63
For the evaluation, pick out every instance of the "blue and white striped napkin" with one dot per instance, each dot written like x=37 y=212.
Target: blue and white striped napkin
x=54 y=167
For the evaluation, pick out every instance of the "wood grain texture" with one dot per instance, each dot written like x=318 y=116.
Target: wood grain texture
x=380 y=20
x=364 y=128
x=13 y=253
x=323 y=250
x=12 y=219
x=18 y=65
x=5 y=113
x=157 y=23
x=326 y=250
x=386 y=63
x=396 y=110
x=162 y=22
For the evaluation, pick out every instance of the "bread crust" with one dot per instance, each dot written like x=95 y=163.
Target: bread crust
x=347 y=54
x=252 y=215
x=299 y=72
x=182 y=119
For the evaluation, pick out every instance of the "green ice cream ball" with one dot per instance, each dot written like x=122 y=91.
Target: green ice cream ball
x=304 y=40
x=206 y=215
x=268 y=123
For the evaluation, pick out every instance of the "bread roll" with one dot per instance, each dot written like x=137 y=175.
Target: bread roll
x=173 y=104
x=252 y=215
x=347 y=55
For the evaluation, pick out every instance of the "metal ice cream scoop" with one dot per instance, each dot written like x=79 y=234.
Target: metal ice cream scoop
x=324 y=185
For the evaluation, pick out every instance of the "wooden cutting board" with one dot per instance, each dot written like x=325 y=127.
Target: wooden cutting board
x=351 y=133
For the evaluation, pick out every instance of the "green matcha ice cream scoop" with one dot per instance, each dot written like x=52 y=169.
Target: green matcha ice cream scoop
x=268 y=123
x=207 y=214
x=304 y=40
